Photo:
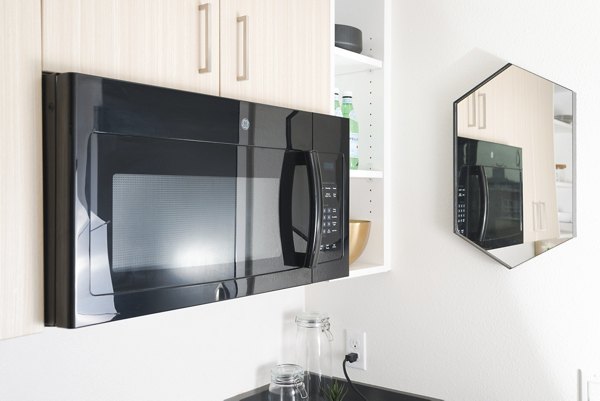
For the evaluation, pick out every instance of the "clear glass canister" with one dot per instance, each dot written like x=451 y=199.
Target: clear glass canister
x=287 y=383
x=313 y=352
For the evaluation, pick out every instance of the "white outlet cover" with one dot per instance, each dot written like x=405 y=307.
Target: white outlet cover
x=589 y=385
x=356 y=341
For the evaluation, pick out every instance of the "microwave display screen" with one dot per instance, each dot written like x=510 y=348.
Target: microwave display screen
x=329 y=167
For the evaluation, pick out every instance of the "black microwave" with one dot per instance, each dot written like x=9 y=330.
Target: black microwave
x=489 y=203
x=158 y=199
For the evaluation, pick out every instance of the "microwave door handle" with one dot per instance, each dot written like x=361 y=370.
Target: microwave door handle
x=316 y=194
x=291 y=161
x=485 y=197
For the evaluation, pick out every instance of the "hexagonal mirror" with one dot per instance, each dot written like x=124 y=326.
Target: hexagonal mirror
x=514 y=165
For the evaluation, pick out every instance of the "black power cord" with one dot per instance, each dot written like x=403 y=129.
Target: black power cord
x=352 y=357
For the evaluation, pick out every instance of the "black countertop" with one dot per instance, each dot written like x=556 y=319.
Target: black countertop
x=372 y=393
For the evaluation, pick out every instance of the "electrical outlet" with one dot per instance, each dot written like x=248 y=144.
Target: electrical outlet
x=589 y=385
x=356 y=341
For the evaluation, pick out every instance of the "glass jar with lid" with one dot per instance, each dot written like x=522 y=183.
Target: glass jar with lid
x=287 y=383
x=313 y=351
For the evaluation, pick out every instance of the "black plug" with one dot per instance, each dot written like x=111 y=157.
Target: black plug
x=352 y=357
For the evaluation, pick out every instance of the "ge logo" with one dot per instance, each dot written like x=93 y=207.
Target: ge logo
x=245 y=124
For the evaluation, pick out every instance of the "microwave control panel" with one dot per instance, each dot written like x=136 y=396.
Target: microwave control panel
x=461 y=210
x=331 y=230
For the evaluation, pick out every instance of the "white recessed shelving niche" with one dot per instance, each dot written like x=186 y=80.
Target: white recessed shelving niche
x=347 y=62
x=368 y=75
x=366 y=174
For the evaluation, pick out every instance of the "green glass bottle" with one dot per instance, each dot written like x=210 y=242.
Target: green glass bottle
x=348 y=112
x=337 y=107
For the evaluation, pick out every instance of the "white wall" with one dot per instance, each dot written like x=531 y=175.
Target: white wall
x=448 y=321
x=205 y=353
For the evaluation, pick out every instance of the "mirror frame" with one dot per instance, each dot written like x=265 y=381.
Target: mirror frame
x=455 y=163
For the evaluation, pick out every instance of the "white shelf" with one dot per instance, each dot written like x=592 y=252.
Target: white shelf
x=561 y=127
x=359 y=269
x=347 y=62
x=564 y=184
x=366 y=174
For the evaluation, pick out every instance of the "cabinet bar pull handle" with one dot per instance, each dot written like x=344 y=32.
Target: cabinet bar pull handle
x=244 y=49
x=539 y=216
x=207 y=59
x=471 y=111
x=542 y=208
x=482 y=112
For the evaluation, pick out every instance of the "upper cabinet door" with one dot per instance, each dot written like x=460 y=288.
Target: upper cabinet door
x=21 y=239
x=277 y=52
x=160 y=42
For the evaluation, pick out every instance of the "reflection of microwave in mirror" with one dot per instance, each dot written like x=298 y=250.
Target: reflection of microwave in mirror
x=514 y=178
x=493 y=193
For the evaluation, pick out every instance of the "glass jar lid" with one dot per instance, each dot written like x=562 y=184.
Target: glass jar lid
x=287 y=374
x=312 y=319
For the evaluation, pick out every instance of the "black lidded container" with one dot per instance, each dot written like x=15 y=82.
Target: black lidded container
x=349 y=38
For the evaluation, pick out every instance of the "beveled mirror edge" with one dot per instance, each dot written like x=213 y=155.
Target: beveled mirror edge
x=455 y=157
x=574 y=154
x=481 y=84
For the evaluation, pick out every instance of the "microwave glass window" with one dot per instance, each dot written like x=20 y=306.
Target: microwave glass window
x=163 y=221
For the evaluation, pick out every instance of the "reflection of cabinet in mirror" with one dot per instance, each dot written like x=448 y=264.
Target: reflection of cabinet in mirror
x=367 y=76
x=474 y=113
x=517 y=109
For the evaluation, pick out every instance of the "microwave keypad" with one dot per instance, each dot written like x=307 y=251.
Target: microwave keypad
x=461 y=212
x=330 y=229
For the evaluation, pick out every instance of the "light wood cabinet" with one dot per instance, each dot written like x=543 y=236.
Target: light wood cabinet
x=545 y=207
x=269 y=51
x=529 y=125
x=277 y=52
x=21 y=250
x=159 y=42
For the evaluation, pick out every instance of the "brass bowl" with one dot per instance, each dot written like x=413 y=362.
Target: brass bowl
x=359 y=236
